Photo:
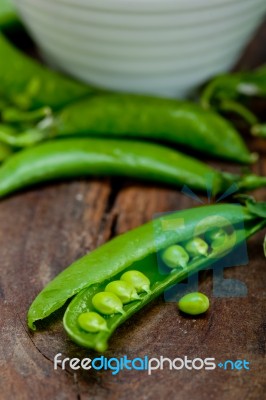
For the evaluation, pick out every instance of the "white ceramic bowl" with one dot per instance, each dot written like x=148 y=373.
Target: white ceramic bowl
x=163 y=47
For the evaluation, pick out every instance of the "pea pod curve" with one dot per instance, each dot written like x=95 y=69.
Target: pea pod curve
x=70 y=158
x=143 y=117
x=137 y=249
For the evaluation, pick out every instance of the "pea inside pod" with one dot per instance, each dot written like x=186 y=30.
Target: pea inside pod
x=124 y=290
x=216 y=237
x=175 y=256
x=107 y=303
x=196 y=247
x=92 y=322
x=194 y=303
x=138 y=280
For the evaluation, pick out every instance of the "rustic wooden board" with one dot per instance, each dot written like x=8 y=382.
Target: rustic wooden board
x=44 y=229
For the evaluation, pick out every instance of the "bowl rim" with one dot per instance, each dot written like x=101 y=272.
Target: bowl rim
x=144 y=5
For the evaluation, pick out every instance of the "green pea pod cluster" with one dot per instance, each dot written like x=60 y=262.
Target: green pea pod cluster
x=28 y=85
x=137 y=251
x=69 y=158
x=228 y=93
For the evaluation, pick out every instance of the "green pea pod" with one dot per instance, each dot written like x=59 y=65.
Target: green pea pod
x=30 y=85
x=137 y=250
x=71 y=158
x=125 y=115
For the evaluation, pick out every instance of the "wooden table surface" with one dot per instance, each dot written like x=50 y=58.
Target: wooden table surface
x=44 y=229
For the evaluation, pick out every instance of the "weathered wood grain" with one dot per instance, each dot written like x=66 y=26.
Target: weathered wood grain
x=44 y=229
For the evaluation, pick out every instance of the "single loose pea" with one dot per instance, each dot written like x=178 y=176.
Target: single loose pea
x=216 y=237
x=175 y=256
x=196 y=247
x=107 y=303
x=92 y=322
x=194 y=303
x=138 y=280
x=124 y=290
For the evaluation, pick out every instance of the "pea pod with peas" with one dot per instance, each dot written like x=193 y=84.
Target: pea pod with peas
x=95 y=283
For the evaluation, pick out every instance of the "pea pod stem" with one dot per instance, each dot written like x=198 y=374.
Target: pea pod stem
x=10 y=137
x=245 y=182
x=259 y=130
x=137 y=248
x=69 y=158
x=239 y=109
x=14 y=115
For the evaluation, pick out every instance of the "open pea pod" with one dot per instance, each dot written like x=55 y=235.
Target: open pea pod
x=83 y=302
x=138 y=250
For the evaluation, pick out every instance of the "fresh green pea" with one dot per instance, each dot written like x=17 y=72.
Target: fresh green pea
x=92 y=322
x=137 y=279
x=107 y=303
x=175 y=256
x=194 y=303
x=216 y=237
x=124 y=290
x=196 y=247
x=215 y=234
